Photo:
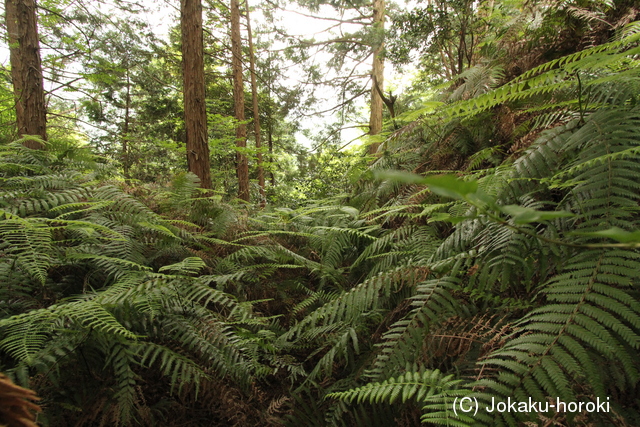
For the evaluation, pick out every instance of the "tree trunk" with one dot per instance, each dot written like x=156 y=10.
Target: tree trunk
x=270 y=142
x=26 y=69
x=269 y=111
x=377 y=74
x=256 y=111
x=126 y=163
x=195 y=113
x=242 y=164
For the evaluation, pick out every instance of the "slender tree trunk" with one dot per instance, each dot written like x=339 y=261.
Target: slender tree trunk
x=242 y=163
x=195 y=113
x=125 y=129
x=462 y=49
x=270 y=142
x=377 y=74
x=26 y=69
x=269 y=112
x=447 y=70
x=256 y=111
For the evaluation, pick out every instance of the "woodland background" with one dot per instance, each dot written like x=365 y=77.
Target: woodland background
x=172 y=254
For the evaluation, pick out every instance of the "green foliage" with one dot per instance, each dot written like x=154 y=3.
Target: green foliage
x=530 y=253
x=106 y=284
x=490 y=251
x=430 y=388
x=451 y=30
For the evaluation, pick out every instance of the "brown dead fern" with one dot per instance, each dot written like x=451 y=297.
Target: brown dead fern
x=16 y=406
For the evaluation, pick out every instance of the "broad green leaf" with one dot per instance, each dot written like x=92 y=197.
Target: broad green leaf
x=427 y=107
x=523 y=215
x=616 y=234
x=451 y=186
x=443 y=185
x=400 y=177
x=441 y=216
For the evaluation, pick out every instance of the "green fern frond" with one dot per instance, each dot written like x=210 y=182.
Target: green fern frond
x=25 y=334
x=94 y=316
x=566 y=341
x=190 y=265
x=179 y=369
x=401 y=343
x=351 y=304
x=29 y=244
x=435 y=391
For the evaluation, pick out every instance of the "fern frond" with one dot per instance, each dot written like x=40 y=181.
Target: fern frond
x=178 y=368
x=190 y=265
x=435 y=391
x=29 y=243
x=26 y=334
x=401 y=343
x=351 y=304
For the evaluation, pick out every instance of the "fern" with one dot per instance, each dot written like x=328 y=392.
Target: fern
x=28 y=244
x=434 y=391
x=568 y=294
x=68 y=235
x=380 y=311
x=401 y=343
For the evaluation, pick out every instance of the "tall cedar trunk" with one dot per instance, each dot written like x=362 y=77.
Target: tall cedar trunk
x=126 y=165
x=377 y=74
x=195 y=114
x=269 y=112
x=256 y=111
x=242 y=164
x=270 y=143
x=26 y=69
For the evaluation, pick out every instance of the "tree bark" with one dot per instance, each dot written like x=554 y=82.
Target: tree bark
x=390 y=102
x=270 y=143
x=195 y=113
x=269 y=112
x=242 y=163
x=26 y=70
x=126 y=162
x=377 y=74
x=256 y=111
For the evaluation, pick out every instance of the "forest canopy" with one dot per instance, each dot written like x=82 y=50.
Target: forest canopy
x=422 y=213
